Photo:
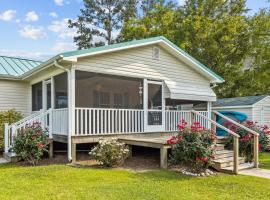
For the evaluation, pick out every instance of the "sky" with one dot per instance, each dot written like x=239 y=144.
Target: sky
x=37 y=29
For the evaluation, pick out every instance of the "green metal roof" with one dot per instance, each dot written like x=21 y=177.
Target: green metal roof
x=137 y=42
x=12 y=66
x=238 y=101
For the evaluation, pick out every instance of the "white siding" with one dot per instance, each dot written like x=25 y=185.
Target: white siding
x=182 y=81
x=247 y=111
x=262 y=111
x=15 y=94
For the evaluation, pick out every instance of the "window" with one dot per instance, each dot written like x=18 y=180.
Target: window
x=101 y=99
x=37 y=96
x=121 y=100
x=156 y=53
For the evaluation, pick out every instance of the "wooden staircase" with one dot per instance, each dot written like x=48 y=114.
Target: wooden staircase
x=224 y=158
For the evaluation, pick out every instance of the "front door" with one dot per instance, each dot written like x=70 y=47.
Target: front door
x=155 y=106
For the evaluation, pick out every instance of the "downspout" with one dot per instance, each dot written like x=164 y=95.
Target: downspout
x=69 y=108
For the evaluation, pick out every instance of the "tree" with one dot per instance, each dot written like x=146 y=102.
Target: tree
x=216 y=32
x=157 y=19
x=255 y=80
x=99 y=20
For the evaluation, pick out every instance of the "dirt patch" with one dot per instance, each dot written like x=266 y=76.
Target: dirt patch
x=57 y=159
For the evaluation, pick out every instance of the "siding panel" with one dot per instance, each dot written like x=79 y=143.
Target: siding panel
x=14 y=94
x=182 y=81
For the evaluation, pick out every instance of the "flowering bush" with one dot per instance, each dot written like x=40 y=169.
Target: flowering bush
x=246 y=140
x=109 y=152
x=193 y=146
x=31 y=143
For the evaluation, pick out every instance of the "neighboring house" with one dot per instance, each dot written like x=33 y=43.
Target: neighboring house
x=116 y=89
x=257 y=108
x=14 y=92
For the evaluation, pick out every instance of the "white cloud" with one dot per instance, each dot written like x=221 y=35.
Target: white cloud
x=31 y=16
x=32 y=32
x=63 y=46
x=59 y=2
x=26 y=54
x=53 y=14
x=18 y=21
x=7 y=15
x=181 y=2
x=61 y=28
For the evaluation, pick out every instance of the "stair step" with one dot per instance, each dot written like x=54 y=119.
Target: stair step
x=223 y=154
x=3 y=161
x=219 y=147
x=221 y=139
x=11 y=157
x=240 y=167
x=226 y=162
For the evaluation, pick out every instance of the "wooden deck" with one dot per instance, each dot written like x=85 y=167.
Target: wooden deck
x=152 y=140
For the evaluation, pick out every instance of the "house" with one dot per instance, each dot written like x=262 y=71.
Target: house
x=257 y=108
x=117 y=90
x=14 y=92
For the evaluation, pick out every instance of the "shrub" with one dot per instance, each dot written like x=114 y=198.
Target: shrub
x=9 y=116
x=109 y=152
x=31 y=143
x=246 y=140
x=193 y=147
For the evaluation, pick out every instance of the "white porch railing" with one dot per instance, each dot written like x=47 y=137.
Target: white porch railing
x=44 y=118
x=93 y=121
x=173 y=117
x=60 y=121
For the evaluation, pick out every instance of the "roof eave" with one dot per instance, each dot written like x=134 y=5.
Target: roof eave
x=42 y=66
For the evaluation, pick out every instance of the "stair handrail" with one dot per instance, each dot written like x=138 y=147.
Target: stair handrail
x=255 y=134
x=11 y=129
x=26 y=118
x=235 y=140
x=216 y=124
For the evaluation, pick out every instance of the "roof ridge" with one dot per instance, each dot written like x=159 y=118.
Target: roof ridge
x=111 y=45
x=13 y=57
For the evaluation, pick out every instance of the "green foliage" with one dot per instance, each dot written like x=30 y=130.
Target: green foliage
x=101 y=18
x=31 y=143
x=193 y=147
x=246 y=140
x=109 y=152
x=9 y=116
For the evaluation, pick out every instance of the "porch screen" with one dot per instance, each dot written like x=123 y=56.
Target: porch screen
x=37 y=96
x=61 y=94
x=107 y=91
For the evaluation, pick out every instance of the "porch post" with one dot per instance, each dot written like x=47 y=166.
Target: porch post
x=145 y=99
x=52 y=93
x=209 y=113
x=71 y=109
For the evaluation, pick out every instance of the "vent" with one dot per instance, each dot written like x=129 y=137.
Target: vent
x=156 y=52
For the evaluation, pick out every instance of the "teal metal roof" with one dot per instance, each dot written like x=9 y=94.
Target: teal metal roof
x=238 y=101
x=137 y=42
x=12 y=66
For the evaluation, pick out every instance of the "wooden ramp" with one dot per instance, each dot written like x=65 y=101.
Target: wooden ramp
x=155 y=140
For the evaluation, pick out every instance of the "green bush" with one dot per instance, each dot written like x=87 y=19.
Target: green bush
x=109 y=152
x=246 y=140
x=9 y=116
x=31 y=143
x=193 y=147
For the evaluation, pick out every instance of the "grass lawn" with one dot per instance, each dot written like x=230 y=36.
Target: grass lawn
x=265 y=160
x=64 y=182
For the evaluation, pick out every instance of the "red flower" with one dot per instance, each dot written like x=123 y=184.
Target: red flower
x=40 y=146
x=250 y=123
